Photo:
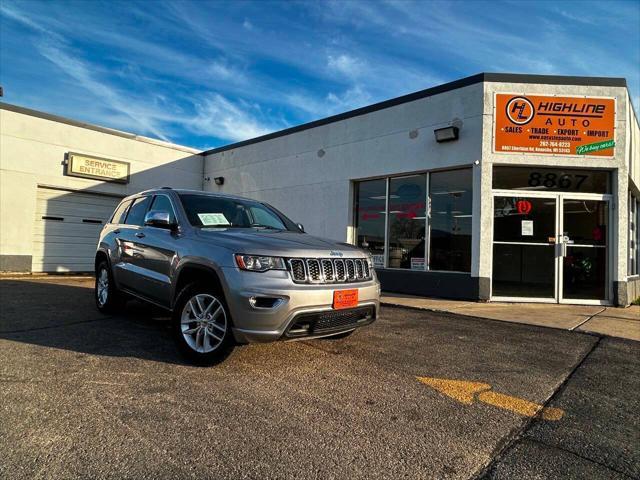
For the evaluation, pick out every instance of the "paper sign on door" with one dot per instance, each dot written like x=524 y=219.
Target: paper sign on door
x=527 y=228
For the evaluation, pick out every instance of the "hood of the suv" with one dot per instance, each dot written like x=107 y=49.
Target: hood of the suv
x=276 y=243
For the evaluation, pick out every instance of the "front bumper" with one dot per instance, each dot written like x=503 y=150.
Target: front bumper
x=295 y=305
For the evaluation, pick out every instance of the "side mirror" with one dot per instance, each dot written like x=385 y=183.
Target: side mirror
x=301 y=227
x=158 y=219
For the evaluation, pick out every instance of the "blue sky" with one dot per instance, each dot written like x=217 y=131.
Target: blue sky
x=206 y=74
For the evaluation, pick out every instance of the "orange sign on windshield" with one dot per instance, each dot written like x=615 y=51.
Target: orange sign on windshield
x=550 y=125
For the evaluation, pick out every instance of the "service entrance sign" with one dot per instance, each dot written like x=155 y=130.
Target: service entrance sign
x=96 y=168
x=553 y=125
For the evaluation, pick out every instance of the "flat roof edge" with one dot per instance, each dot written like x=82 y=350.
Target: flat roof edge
x=429 y=92
x=556 y=79
x=97 y=128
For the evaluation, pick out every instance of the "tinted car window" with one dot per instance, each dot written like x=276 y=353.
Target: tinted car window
x=211 y=211
x=121 y=212
x=162 y=203
x=137 y=211
x=262 y=216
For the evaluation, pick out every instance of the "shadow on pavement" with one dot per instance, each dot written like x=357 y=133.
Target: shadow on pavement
x=64 y=316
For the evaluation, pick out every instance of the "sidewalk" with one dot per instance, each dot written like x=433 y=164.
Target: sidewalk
x=616 y=322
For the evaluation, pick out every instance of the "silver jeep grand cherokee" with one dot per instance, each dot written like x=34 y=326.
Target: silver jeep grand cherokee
x=231 y=270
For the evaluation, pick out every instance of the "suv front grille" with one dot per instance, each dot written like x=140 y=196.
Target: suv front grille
x=316 y=323
x=351 y=269
x=329 y=270
x=297 y=270
x=313 y=268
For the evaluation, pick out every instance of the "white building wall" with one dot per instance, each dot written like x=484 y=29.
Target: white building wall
x=314 y=188
x=32 y=152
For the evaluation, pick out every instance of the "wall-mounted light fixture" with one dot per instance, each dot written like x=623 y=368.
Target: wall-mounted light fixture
x=219 y=180
x=446 y=134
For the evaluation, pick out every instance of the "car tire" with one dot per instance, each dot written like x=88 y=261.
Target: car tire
x=202 y=326
x=340 y=335
x=108 y=298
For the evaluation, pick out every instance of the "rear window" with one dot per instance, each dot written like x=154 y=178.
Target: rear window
x=121 y=212
x=137 y=211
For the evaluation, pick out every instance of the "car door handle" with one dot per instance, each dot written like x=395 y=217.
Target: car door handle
x=140 y=235
x=116 y=232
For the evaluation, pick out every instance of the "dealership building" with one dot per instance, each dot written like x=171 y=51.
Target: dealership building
x=496 y=187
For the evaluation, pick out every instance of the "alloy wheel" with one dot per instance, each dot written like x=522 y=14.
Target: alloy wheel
x=103 y=287
x=203 y=323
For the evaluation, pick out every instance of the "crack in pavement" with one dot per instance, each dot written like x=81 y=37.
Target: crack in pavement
x=575 y=454
x=587 y=319
x=517 y=434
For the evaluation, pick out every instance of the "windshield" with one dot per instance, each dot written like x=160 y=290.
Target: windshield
x=208 y=211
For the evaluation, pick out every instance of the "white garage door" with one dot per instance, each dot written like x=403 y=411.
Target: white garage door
x=66 y=229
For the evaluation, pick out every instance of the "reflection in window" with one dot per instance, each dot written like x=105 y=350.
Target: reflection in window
x=634 y=235
x=370 y=218
x=524 y=219
x=163 y=204
x=407 y=207
x=551 y=179
x=137 y=211
x=450 y=220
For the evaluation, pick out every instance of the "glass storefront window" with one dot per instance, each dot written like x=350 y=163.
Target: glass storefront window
x=407 y=209
x=404 y=201
x=551 y=179
x=450 y=220
x=370 y=218
x=634 y=235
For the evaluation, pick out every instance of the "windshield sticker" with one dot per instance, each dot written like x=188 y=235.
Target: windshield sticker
x=208 y=219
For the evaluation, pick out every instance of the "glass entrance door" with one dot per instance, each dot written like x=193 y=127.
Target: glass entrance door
x=524 y=247
x=551 y=247
x=584 y=256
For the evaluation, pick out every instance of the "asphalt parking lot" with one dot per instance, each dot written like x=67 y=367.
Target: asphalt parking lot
x=90 y=395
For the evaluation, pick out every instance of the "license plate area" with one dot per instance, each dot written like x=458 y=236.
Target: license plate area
x=345 y=299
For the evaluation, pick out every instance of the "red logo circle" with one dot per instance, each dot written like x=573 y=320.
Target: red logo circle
x=524 y=206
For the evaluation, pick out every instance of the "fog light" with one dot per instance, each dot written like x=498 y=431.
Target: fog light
x=265 y=302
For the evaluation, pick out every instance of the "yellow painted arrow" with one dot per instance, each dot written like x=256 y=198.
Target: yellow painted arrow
x=466 y=392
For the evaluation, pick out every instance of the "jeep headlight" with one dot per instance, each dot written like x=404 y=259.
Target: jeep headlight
x=259 y=263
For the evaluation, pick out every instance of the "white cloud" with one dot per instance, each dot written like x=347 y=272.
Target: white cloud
x=82 y=73
x=352 y=98
x=55 y=48
x=186 y=68
x=346 y=65
x=19 y=17
x=220 y=117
